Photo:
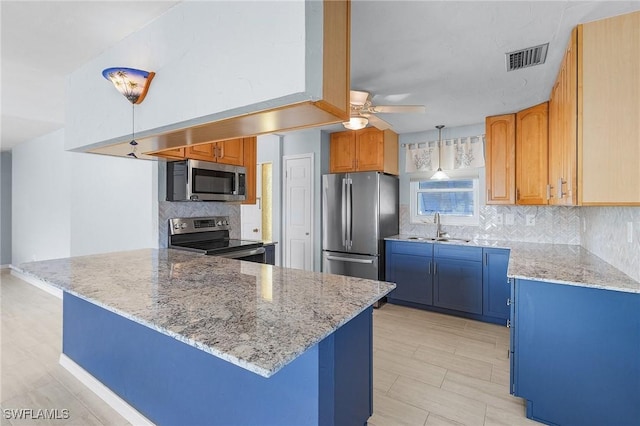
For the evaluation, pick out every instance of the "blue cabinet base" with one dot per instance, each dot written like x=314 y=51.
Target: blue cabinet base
x=172 y=383
x=576 y=354
x=483 y=318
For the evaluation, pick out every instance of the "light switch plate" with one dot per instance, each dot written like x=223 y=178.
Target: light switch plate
x=630 y=232
x=499 y=219
x=509 y=219
x=531 y=220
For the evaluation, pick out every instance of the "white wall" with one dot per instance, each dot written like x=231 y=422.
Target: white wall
x=70 y=204
x=5 y=208
x=212 y=60
x=41 y=199
x=113 y=204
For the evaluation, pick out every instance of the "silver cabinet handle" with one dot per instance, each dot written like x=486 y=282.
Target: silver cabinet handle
x=348 y=259
x=508 y=323
x=508 y=302
x=435 y=268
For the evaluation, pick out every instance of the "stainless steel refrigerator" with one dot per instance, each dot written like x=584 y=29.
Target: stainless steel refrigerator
x=358 y=211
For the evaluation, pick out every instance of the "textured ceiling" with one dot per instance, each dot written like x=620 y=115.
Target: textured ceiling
x=448 y=56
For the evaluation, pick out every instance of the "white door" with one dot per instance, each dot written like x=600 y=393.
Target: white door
x=251 y=214
x=298 y=211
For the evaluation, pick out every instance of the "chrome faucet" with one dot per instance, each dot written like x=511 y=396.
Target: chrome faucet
x=436 y=220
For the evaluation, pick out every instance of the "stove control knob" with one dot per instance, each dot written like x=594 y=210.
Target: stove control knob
x=219 y=223
x=183 y=226
x=226 y=222
x=176 y=226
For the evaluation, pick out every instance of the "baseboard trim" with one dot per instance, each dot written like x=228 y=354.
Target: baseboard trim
x=7 y=266
x=42 y=285
x=130 y=414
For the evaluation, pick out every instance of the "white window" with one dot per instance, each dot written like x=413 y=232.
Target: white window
x=457 y=201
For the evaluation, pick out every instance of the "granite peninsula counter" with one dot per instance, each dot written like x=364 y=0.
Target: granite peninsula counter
x=288 y=327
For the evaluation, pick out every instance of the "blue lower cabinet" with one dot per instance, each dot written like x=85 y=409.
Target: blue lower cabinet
x=467 y=281
x=496 y=288
x=409 y=265
x=576 y=354
x=457 y=284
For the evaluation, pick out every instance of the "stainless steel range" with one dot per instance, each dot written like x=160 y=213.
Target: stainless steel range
x=210 y=236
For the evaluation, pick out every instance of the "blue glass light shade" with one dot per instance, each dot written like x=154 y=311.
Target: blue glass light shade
x=132 y=83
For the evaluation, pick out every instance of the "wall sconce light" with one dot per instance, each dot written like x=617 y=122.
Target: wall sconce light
x=133 y=84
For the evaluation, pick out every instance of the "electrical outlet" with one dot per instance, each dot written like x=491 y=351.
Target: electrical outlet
x=509 y=219
x=630 y=232
x=499 y=219
x=531 y=220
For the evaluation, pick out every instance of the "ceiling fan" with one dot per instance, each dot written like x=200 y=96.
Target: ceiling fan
x=363 y=112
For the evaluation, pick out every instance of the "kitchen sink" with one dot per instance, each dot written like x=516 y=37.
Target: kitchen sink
x=442 y=239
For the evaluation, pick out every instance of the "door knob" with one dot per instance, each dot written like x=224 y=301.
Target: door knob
x=255 y=230
x=306 y=233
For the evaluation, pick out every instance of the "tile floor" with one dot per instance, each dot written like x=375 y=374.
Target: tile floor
x=429 y=369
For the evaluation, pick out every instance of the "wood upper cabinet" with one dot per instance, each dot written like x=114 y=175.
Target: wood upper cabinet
x=368 y=149
x=231 y=151
x=226 y=152
x=501 y=159
x=563 y=110
x=250 y=162
x=173 y=154
x=204 y=152
x=532 y=140
x=608 y=130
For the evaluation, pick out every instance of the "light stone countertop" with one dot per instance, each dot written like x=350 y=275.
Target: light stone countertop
x=554 y=263
x=259 y=317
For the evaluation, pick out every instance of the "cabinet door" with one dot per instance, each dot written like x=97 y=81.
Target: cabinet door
x=342 y=152
x=176 y=153
x=369 y=150
x=501 y=159
x=457 y=284
x=563 y=109
x=609 y=134
x=495 y=286
x=203 y=152
x=410 y=266
x=250 y=163
x=230 y=152
x=532 y=155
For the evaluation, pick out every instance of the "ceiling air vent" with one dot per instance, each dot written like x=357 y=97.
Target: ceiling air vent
x=527 y=57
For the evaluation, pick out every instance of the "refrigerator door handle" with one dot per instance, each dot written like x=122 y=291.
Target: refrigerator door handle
x=348 y=259
x=344 y=212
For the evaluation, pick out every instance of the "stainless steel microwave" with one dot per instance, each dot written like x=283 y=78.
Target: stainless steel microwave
x=193 y=180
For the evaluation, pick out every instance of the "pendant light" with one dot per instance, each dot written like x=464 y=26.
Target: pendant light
x=439 y=174
x=133 y=84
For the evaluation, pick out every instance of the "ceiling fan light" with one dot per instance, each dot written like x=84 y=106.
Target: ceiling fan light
x=356 y=123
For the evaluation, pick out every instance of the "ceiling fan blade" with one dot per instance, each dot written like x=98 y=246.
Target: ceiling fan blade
x=357 y=97
x=398 y=108
x=378 y=122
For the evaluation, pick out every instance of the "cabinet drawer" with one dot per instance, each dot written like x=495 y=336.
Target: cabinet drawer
x=458 y=252
x=418 y=249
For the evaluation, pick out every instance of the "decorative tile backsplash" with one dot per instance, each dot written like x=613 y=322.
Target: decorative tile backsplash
x=604 y=233
x=560 y=225
x=171 y=209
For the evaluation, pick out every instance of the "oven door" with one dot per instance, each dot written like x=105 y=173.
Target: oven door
x=256 y=255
